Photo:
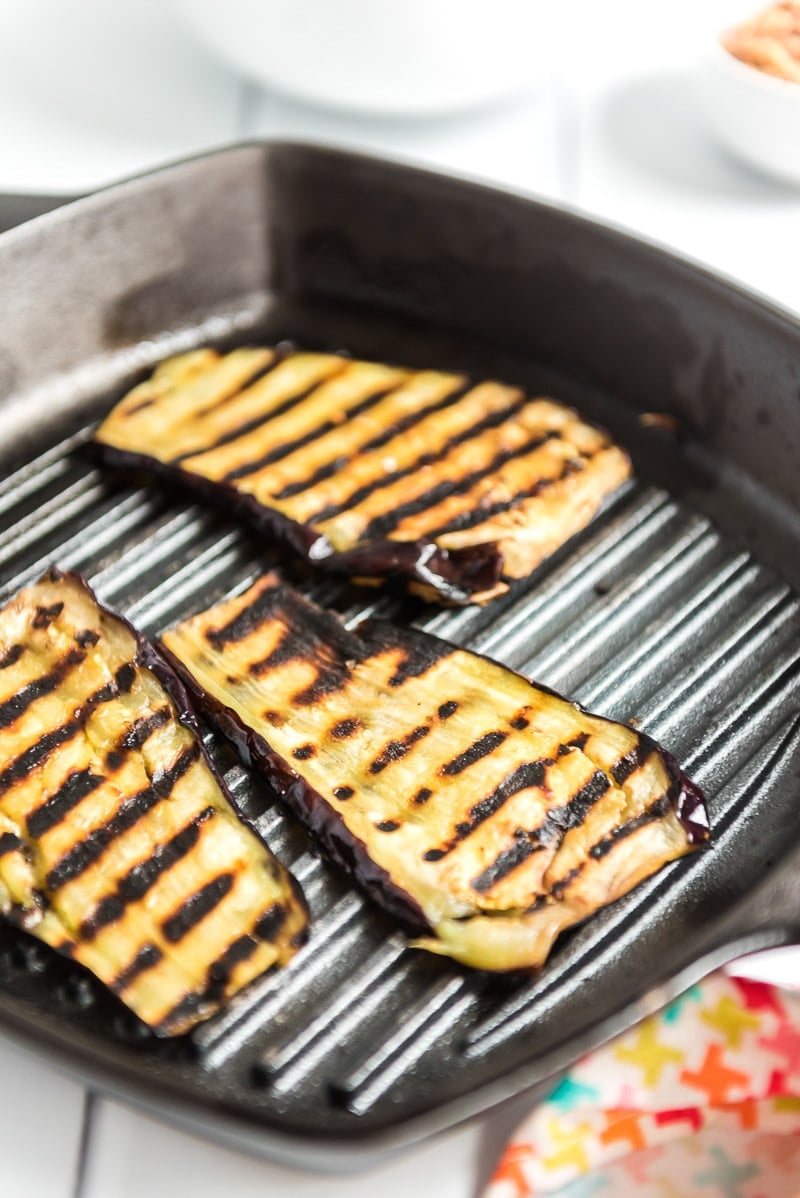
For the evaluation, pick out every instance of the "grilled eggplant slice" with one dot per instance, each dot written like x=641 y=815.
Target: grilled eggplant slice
x=483 y=809
x=373 y=470
x=119 y=846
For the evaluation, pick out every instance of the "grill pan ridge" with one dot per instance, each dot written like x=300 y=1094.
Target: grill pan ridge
x=660 y=611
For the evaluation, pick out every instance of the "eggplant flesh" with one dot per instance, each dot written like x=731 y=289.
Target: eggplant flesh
x=488 y=812
x=119 y=844
x=373 y=470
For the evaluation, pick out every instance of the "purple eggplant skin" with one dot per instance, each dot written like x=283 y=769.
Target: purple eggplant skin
x=345 y=849
x=687 y=798
x=155 y=660
x=455 y=576
x=81 y=898
x=322 y=640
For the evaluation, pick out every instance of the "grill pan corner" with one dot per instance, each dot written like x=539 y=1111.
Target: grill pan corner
x=675 y=608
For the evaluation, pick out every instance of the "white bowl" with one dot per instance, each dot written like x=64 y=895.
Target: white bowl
x=756 y=115
x=382 y=57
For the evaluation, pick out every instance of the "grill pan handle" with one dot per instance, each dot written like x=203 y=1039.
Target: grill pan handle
x=771 y=911
x=16 y=209
x=745 y=909
x=768 y=916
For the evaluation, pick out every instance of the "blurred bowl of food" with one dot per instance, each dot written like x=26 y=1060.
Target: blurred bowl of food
x=751 y=89
x=381 y=57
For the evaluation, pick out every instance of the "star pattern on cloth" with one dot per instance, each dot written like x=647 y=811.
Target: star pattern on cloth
x=747 y=1111
x=730 y=1019
x=703 y=1100
x=570 y=1093
x=715 y=1078
x=510 y=1171
x=688 y=1115
x=777 y=1086
x=649 y=1054
x=568 y=1148
x=675 y=1009
x=785 y=1041
x=758 y=996
x=626 y=1126
x=726 y=1174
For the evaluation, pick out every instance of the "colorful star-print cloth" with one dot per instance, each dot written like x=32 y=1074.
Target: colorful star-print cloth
x=701 y=1100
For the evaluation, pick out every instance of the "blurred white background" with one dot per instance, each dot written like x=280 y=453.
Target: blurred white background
x=607 y=118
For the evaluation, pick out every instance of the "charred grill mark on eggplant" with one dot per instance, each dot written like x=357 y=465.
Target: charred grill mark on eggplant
x=655 y=811
x=197 y=907
x=45 y=616
x=284 y=449
x=606 y=845
x=225 y=392
x=246 y=426
x=479 y=748
x=633 y=760
x=87 y=638
x=559 y=820
x=482 y=513
x=10 y=843
x=344 y=729
x=146 y=958
x=382 y=525
x=88 y=851
x=11 y=656
x=258 y=374
x=14 y=708
x=293 y=644
x=244 y=623
x=497 y=812
x=141 y=878
x=449 y=484
x=395 y=750
x=526 y=776
x=142 y=729
x=551 y=830
x=37 y=753
x=76 y=787
x=396 y=429
x=107 y=801
x=234 y=955
x=428 y=458
x=408 y=422
x=271 y=922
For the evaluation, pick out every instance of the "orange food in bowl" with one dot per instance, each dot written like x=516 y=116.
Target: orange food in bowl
x=769 y=41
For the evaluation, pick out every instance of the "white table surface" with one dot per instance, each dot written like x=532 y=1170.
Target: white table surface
x=91 y=92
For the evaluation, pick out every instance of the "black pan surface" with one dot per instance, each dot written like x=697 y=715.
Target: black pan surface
x=675 y=608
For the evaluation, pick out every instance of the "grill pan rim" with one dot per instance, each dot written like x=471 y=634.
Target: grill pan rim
x=274 y=1140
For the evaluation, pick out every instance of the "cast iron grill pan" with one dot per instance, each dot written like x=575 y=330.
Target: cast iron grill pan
x=655 y=613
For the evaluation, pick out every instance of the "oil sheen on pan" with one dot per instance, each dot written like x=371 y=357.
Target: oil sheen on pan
x=454 y=487
x=488 y=813
x=119 y=844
